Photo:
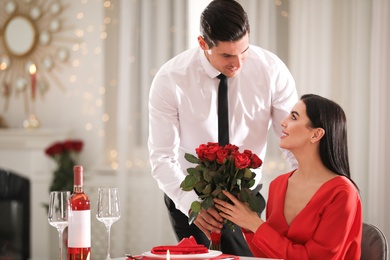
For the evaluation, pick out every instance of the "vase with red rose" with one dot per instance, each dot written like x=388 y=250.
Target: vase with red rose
x=64 y=154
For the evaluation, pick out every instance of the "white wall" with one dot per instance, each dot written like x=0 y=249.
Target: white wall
x=75 y=100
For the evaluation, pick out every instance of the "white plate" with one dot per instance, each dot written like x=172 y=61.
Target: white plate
x=211 y=253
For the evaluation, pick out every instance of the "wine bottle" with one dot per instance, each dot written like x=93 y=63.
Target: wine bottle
x=79 y=227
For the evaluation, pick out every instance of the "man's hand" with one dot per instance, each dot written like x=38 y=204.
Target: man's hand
x=209 y=221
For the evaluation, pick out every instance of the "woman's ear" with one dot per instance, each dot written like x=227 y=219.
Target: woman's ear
x=202 y=43
x=318 y=133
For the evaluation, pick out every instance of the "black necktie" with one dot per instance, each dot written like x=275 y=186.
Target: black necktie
x=223 y=115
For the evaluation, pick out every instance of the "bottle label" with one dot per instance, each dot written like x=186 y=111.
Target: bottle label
x=79 y=229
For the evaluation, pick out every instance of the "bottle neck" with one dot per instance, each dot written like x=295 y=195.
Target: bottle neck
x=78 y=179
x=78 y=189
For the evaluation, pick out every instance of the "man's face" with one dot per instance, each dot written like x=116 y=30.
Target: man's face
x=227 y=57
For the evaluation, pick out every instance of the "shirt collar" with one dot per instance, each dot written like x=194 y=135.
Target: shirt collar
x=208 y=68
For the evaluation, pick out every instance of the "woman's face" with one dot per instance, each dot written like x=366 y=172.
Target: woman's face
x=297 y=132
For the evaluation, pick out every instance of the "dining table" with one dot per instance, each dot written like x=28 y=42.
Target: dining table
x=241 y=258
x=187 y=248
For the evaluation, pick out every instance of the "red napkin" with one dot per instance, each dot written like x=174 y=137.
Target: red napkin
x=184 y=247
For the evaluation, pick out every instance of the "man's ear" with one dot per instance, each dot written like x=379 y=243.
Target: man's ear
x=318 y=133
x=202 y=43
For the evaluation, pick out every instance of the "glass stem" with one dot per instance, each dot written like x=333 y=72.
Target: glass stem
x=108 y=241
x=60 y=243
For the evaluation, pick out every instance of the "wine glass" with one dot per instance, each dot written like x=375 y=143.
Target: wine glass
x=108 y=210
x=58 y=215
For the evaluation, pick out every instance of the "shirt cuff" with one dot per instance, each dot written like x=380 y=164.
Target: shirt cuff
x=184 y=204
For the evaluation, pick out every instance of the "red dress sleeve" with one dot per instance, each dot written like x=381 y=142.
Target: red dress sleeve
x=329 y=227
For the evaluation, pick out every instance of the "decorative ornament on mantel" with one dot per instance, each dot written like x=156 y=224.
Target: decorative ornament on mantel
x=33 y=41
x=32 y=121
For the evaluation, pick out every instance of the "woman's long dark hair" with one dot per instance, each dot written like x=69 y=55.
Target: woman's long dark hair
x=223 y=20
x=328 y=115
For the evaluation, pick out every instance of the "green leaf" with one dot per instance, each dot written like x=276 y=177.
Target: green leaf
x=192 y=217
x=250 y=183
x=254 y=203
x=207 y=164
x=203 y=196
x=207 y=189
x=209 y=175
x=194 y=171
x=240 y=174
x=222 y=169
x=200 y=186
x=188 y=183
x=245 y=194
x=222 y=196
x=217 y=191
x=196 y=206
x=248 y=174
x=191 y=158
x=207 y=202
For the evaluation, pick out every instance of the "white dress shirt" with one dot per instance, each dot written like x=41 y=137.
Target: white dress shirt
x=183 y=112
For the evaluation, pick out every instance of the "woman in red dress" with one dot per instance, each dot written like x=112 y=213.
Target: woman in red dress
x=314 y=211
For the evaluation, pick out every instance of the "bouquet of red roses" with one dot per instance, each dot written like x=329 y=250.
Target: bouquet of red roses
x=64 y=154
x=220 y=168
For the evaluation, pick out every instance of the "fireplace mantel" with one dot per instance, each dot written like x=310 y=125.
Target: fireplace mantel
x=22 y=151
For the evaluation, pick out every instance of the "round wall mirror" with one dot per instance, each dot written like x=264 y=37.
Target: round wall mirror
x=19 y=35
x=28 y=29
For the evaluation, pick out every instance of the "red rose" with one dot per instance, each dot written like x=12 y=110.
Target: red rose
x=60 y=147
x=242 y=161
x=54 y=149
x=211 y=152
x=248 y=152
x=234 y=154
x=73 y=145
x=231 y=148
x=200 y=151
x=222 y=156
x=256 y=161
x=209 y=144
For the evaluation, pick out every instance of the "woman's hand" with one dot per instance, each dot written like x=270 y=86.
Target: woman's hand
x=239 y=213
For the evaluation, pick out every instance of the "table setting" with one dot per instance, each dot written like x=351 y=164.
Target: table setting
x=109 y=211
x=66 y=210
x=187 y=248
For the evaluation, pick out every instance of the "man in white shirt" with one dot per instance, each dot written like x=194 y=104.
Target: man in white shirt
x=183 y=111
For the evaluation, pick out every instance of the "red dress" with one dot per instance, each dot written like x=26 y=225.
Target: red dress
x=329 y=227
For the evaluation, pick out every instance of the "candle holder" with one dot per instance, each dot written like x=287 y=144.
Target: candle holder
x=31 y=122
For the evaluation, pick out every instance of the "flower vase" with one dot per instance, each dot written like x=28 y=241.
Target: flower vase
x=215 y=243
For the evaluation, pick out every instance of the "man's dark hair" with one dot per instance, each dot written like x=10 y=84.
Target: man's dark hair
x=223 y=21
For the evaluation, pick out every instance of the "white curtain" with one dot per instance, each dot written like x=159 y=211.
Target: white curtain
x=338 y=49
x=329 y=55
x=378 y=196
x=150 y=33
